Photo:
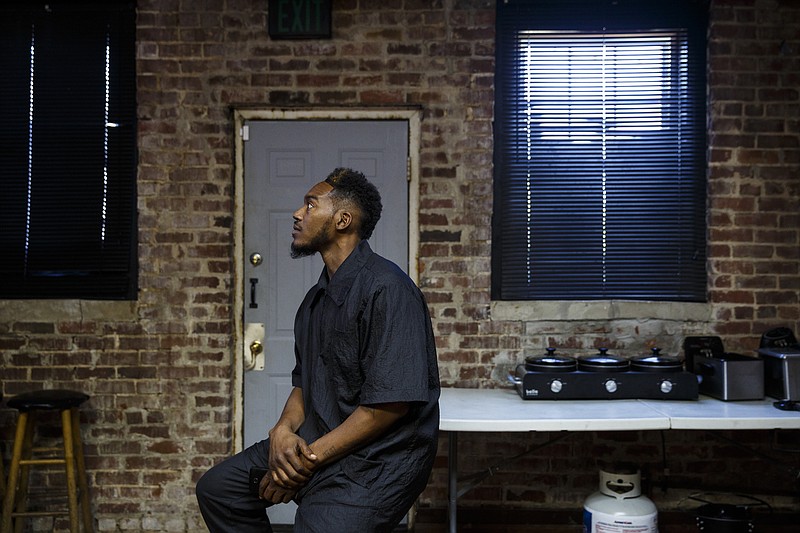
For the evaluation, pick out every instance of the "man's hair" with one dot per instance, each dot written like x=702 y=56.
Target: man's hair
x=351 y=186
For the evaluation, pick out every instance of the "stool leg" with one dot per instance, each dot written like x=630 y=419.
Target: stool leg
x=88 y=525
x=21 y=498
x=13 y=473
x=69 y=458
x=2 y=480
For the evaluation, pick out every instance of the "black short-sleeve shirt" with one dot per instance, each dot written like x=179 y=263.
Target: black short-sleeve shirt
x=365 y=337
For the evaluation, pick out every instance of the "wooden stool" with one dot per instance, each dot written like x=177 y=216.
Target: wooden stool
x=66 y=402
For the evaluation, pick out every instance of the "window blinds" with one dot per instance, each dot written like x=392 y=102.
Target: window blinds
x=599 y=155
x=68 y=164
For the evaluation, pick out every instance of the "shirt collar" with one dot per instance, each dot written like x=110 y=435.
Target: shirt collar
x=338 y=287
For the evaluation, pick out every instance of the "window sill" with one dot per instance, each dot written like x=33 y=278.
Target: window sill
x=530 y=311
x=57 y=310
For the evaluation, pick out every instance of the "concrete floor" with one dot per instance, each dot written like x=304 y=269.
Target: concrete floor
x=499 y=521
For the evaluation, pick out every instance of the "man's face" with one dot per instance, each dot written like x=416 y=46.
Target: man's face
x=313 y=223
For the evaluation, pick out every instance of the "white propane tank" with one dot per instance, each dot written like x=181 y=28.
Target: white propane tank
x=619 y=507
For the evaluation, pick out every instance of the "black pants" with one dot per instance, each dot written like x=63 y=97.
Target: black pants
x=340 y=498
x=224 y=498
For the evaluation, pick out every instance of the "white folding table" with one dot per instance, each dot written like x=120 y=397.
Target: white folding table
x=502 y=410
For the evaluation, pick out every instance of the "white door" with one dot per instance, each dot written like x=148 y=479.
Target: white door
x=282 y=161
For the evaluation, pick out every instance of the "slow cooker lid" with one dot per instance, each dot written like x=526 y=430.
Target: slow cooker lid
x=550 y=362
x=655 y=362
x=602 y=362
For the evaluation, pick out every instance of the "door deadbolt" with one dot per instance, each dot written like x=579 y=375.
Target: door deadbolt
x=256 y=259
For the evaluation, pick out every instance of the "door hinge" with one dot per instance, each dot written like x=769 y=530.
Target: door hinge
x=245 y=132
x=408 y=169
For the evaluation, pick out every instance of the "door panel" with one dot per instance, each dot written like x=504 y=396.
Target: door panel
x=282 y=161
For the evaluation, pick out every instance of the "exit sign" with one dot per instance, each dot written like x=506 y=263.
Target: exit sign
x=300 y=19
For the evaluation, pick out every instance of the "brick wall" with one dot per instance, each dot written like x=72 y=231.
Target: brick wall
x=159 y=369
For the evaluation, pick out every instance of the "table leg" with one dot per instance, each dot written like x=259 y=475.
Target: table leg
x=452 y=481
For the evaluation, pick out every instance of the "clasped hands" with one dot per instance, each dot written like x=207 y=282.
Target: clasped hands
x=291 y=465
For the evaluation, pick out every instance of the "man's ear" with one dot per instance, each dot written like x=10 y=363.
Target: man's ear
x=343 y=219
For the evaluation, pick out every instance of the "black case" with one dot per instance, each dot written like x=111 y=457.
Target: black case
x=256 y=475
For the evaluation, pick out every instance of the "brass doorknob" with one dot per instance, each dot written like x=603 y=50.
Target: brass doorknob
x=256 y=348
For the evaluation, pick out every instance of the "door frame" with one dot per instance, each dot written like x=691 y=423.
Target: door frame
x=413 y=117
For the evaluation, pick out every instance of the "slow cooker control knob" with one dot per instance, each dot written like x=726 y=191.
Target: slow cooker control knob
x=556 y=386
x=611 y=385
x=666 y=386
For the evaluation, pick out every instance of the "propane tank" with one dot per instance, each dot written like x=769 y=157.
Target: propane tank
x=619 y=507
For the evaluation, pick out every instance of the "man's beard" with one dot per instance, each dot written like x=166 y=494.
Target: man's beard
x=315 y=244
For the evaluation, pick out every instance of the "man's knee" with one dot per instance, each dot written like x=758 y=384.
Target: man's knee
x=211 y=485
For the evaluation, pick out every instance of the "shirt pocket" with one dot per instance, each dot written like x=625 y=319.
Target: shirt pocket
x=341 y=353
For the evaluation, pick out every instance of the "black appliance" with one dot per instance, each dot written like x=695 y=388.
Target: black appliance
x=723 y=375
x=781 y=353
x=604 y=376
x=717 y=516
